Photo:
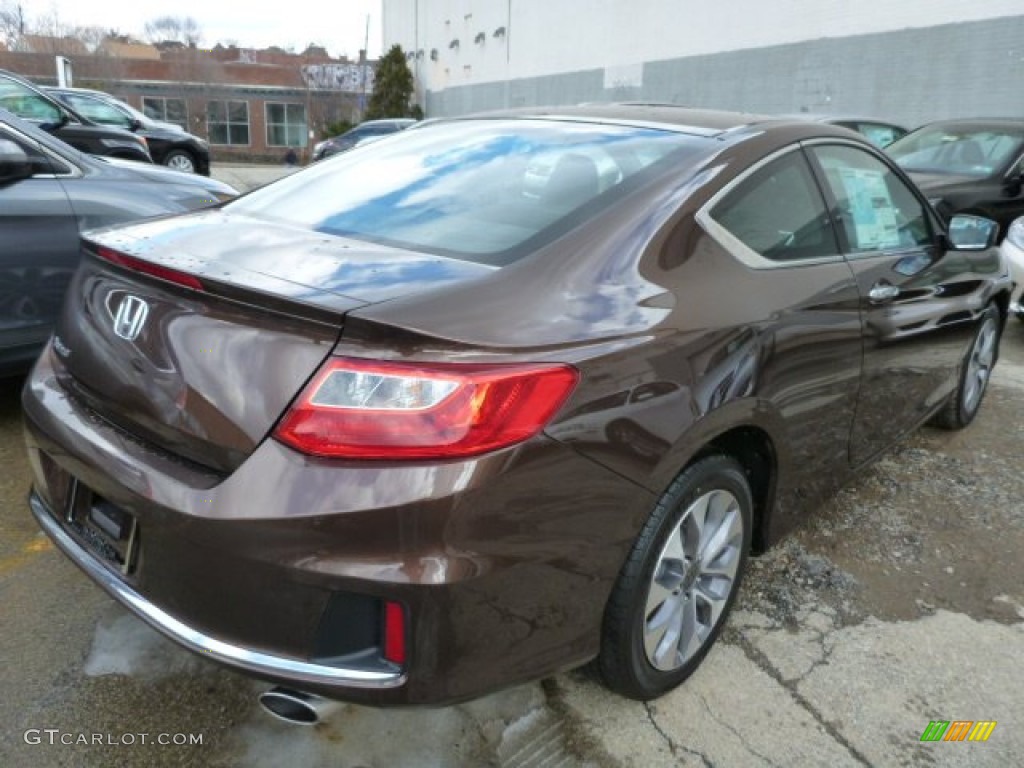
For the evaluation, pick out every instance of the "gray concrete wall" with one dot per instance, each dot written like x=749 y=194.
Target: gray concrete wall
x=910 y=76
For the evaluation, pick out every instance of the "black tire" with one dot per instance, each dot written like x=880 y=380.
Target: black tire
x=963 y=404
x=180 y=160
x=624 y=661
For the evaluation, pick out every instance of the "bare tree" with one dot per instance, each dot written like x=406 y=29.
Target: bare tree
x=12 y=23
x=90 y=36
x=182 y=29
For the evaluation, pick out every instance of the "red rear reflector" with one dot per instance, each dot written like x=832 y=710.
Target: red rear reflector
x=394 y=632
x=370 y=409
x=149 y=268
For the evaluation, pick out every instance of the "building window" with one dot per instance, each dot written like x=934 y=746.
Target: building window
x=227 y=122
x=286 y=125
x=166 y=110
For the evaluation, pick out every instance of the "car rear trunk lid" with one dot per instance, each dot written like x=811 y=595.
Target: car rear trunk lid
x=205 y=374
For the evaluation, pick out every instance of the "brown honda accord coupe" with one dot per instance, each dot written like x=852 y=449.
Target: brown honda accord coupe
x=500 y=395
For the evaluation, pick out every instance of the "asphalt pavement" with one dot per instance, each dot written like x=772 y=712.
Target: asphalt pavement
x=898 y=603
x=246 y=177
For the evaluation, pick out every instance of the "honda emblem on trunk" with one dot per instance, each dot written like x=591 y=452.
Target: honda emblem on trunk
x=130 y=317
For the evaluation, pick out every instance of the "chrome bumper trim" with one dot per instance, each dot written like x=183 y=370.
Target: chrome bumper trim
x=296 y=672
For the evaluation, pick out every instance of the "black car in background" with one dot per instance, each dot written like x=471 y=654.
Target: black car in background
x=968 y=166
x=49 y=194
x=371 y=130
x=168 y=144
x=25 y=100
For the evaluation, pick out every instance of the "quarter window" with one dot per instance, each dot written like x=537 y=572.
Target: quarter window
x=228 y=122
x=873 y=206
x=778 y=212
x=286 y=125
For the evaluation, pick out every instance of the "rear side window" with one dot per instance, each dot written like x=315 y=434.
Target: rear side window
x=880 y=134
x=98 y=111
x=25 y=103
x=484 y=190
x=875 y=209
x=778 y=212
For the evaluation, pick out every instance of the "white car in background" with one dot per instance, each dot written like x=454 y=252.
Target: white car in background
x=1013 y=251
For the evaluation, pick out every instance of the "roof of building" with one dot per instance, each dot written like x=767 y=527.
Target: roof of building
x=129 y=50
x=68 y=46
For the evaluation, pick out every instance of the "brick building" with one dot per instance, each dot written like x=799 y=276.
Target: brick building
x=249 y=104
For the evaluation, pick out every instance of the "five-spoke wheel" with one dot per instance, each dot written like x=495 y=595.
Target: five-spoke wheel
x=679 y=582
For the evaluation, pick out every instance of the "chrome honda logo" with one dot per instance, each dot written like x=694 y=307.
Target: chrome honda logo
x=130 y=317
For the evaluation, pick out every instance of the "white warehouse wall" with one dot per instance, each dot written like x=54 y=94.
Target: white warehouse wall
x=783 y=55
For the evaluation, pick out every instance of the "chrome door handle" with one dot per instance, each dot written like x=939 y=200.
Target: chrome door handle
x=882 y=292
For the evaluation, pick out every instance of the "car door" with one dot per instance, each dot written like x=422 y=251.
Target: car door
x=38 y=252
x=799 y=346
x=918 y=302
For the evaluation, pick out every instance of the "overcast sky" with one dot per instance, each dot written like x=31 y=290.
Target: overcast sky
x=338 y=25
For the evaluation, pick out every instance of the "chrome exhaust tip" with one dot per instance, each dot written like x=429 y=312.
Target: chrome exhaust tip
x=296 y=707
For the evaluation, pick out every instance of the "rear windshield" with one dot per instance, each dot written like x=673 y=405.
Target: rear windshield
x=484 y=190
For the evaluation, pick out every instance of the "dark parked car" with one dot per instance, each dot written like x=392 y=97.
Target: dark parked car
x=168 y=144
x=371 y=130
x=968 y=166
x=23 y=99
x=329 y=434
x=49 y=193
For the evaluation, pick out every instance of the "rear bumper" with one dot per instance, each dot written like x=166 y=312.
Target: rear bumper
x=503 y=563
x=259 y=664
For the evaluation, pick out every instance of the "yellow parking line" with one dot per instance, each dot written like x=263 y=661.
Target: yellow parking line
x=26 y=555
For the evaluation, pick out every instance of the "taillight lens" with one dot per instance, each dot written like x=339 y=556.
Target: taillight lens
x=368 y=409
x=149 y=268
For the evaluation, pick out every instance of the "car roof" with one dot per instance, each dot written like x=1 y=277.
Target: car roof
x=703 y=121
x=979 y=122
x=822 y=117
x=387 y=121
x=84 y=91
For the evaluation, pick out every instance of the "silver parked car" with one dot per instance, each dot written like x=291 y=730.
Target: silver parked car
x=1013 y=251
x=49 y=194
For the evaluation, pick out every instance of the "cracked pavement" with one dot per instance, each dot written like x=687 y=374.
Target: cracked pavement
x=899 y=602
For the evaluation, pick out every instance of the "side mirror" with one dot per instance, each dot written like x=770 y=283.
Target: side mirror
x=55 y=125
x=972 y=233
x=134 y=124
x=1014 y=180
x=15 y=165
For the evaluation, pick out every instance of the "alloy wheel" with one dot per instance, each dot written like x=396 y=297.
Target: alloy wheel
x=979 y=364
x=181 y=162
x=692 y=580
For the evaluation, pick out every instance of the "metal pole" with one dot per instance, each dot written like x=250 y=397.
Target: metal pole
x=366 y=60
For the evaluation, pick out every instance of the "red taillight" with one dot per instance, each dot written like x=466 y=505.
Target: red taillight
x=367 y=409
x=394 y=632
x=149 y=268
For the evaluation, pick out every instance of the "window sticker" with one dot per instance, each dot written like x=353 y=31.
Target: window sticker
x=871 y=208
